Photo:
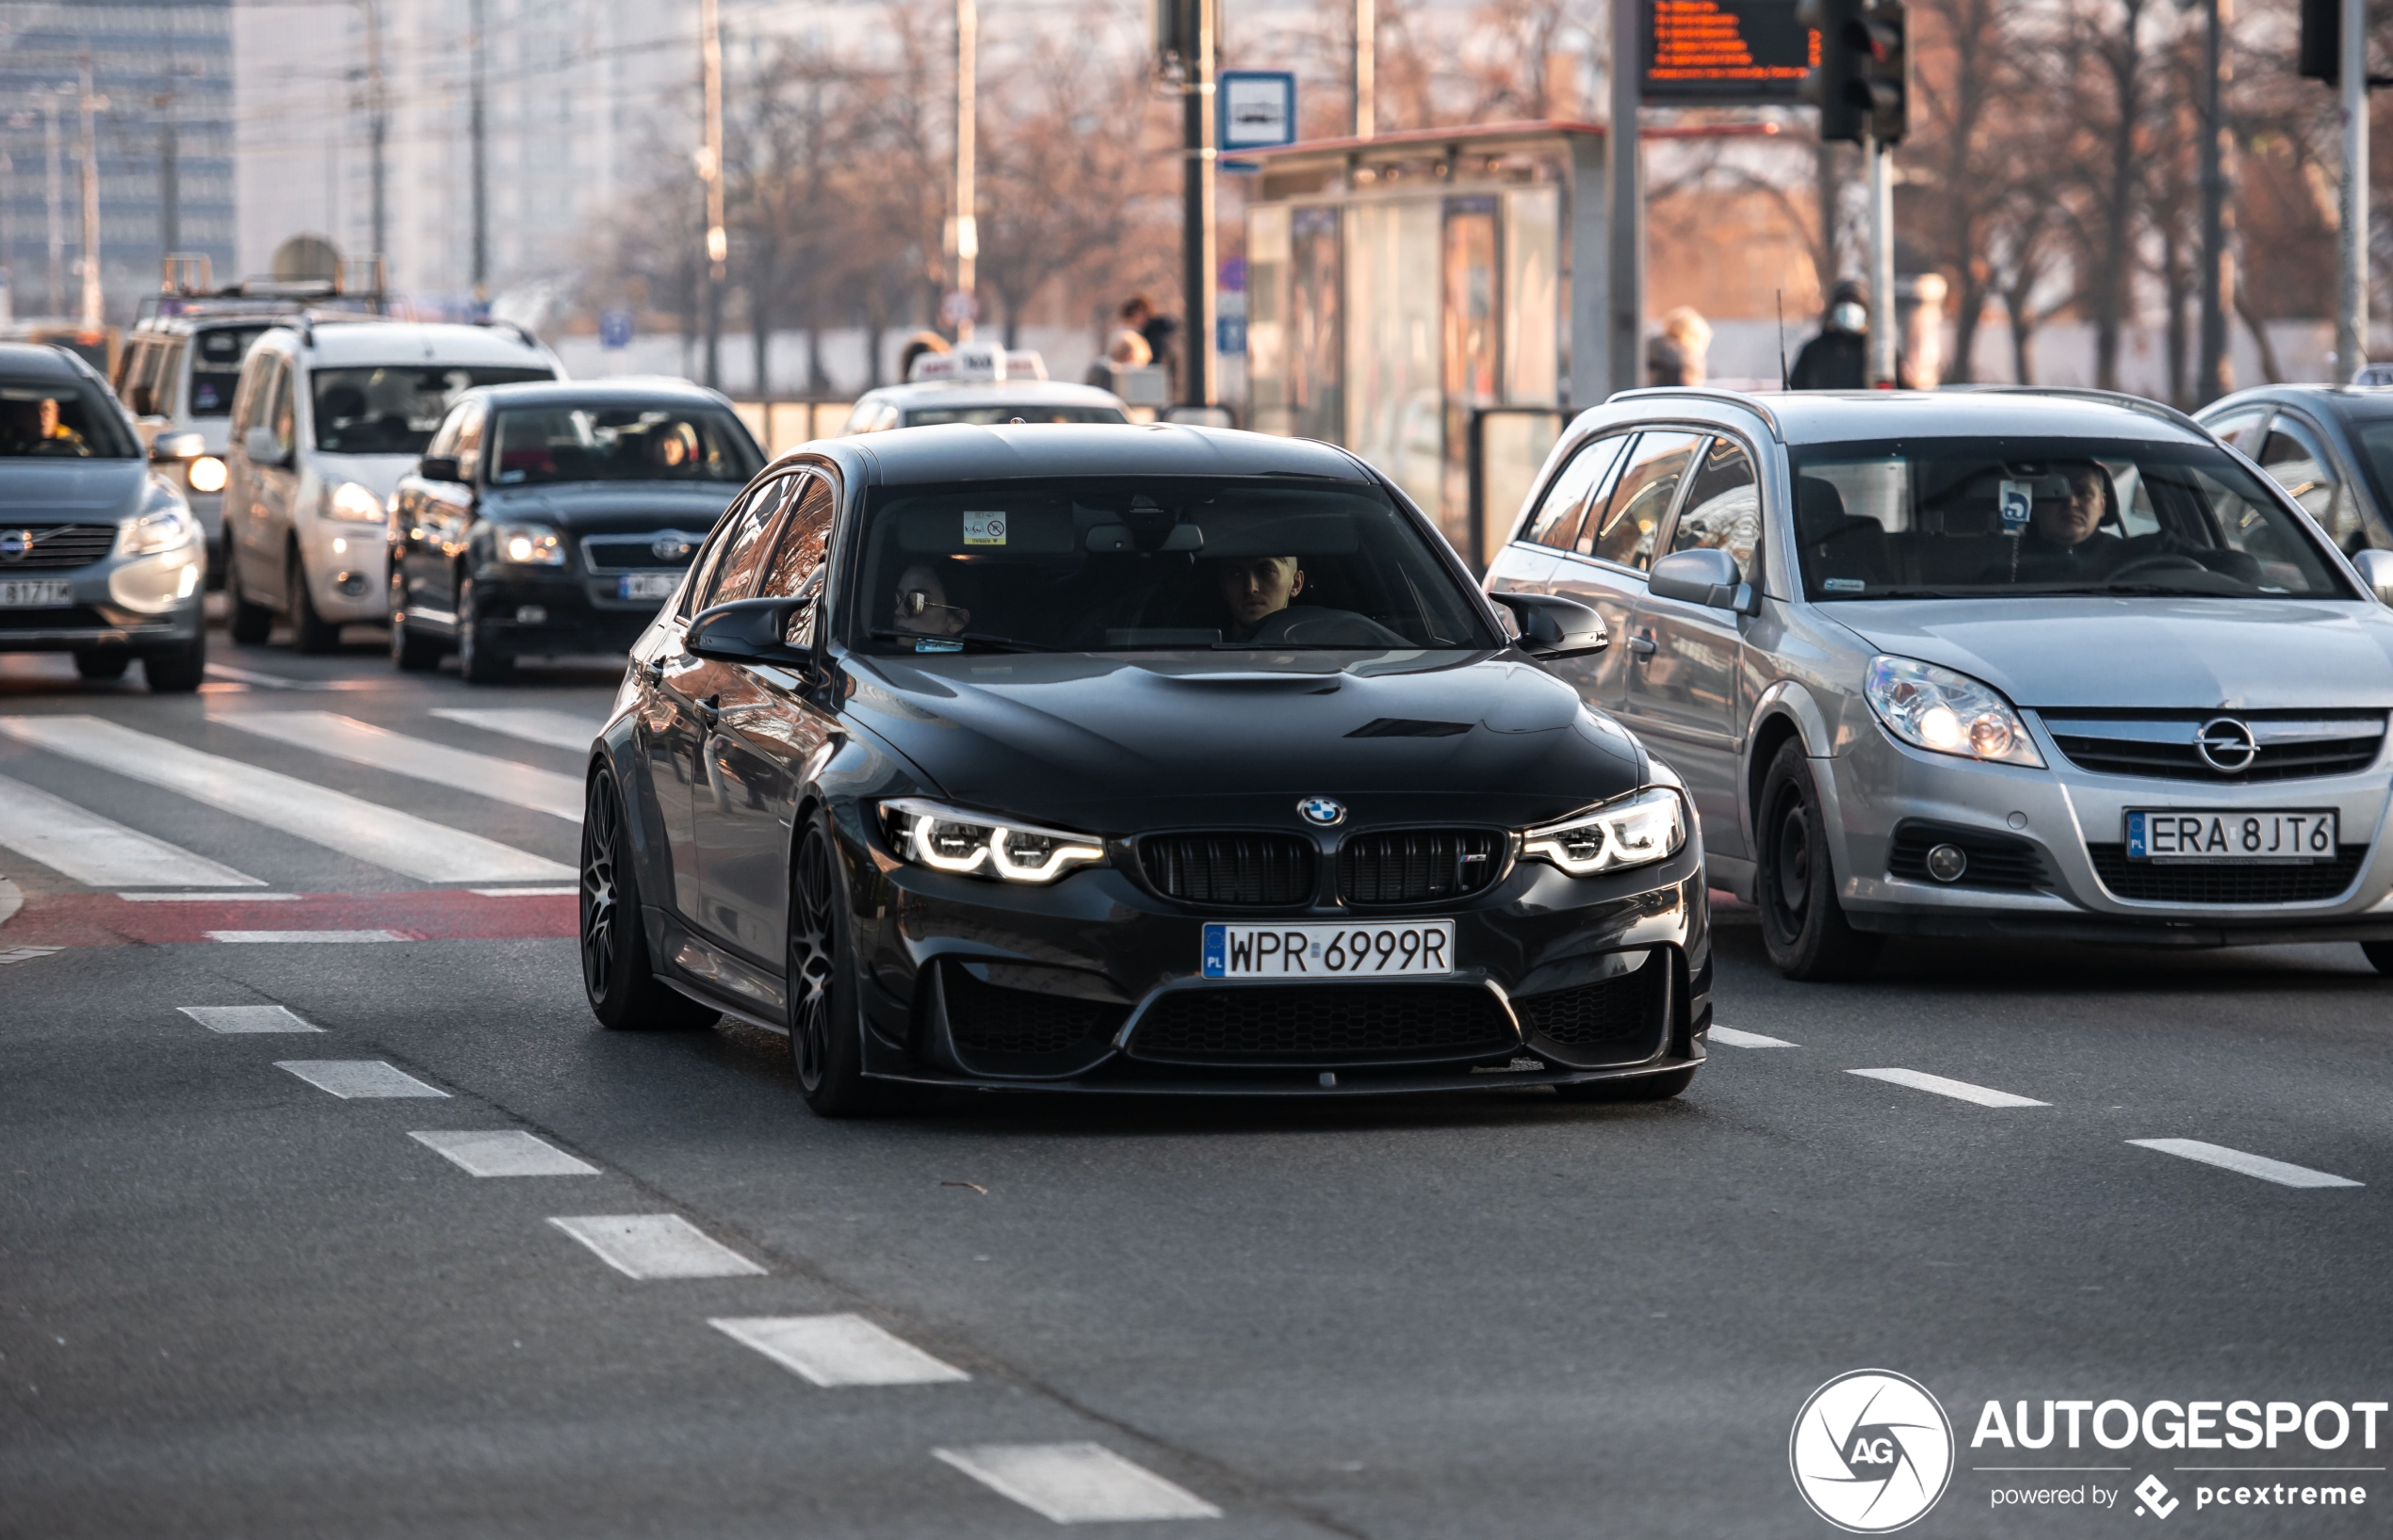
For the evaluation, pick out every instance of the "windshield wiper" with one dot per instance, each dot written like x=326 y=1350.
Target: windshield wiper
x=1896 y=590
x=967 y=639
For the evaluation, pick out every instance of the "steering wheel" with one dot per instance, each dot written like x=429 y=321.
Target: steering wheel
x=2165 y=561
x=1307 y=626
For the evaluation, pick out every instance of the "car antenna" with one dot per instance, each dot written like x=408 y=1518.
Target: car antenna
x=1785 y=380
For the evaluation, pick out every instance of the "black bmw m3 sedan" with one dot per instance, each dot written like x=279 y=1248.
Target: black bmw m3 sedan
x=1131 y=759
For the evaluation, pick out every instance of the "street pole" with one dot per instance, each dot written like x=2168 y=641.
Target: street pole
x=967 y=231
x=2352 y=278
x=1196 y=214
x=1883 y=310
x=1624 y=304
x=93 y=302
x=49 y=108
x=481 y=168
x=710 y=170
x=2216 y=377
x=1366 y=70
x=377 y=122
x=169 y=191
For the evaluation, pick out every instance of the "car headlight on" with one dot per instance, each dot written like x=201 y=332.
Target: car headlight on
x=354 y=503
x=205 y=474
x=1631 y=830
x=528 y=545
x=164 y=530
x=980 y=845
x=1945 y=712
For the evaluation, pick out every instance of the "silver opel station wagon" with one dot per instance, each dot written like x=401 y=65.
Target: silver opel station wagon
x=1982 y=663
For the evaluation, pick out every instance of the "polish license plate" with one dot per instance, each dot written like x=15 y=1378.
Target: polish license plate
x=2239 y=834
x=646 y=585
x=1420 y=948
x=36 y=594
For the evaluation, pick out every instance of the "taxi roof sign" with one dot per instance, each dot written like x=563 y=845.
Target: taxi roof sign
x=977 y=363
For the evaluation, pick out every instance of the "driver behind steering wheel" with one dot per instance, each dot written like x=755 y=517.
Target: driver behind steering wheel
x=1255 y=589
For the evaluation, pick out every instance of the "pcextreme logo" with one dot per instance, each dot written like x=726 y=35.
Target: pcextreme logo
x=1871 y=1452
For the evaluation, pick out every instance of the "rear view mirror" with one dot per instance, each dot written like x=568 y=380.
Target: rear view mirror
x=1553 y=627
x=260 y=444
x=756 y=631
x=1118 y=537
x=2376 y=571
x=1702 y=576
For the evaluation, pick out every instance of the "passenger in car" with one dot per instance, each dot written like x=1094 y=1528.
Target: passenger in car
x=923 y=607
x=1256 y=588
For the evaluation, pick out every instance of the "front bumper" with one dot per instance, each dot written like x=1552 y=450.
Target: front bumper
x=347 y=563
x=1886 y=797
x=1093 y=985
x=548 y=609
x=146 y=604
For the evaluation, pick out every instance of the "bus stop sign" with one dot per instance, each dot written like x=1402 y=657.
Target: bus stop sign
x=1726 y=52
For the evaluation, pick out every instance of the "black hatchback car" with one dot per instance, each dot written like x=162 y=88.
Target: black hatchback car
x=1131 y=759
x=550 y=518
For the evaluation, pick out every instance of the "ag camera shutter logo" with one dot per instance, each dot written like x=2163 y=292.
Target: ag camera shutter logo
x=1871 y=1452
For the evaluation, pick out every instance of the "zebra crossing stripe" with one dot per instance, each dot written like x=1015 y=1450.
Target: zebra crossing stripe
x=80 y=845
x=364 y=743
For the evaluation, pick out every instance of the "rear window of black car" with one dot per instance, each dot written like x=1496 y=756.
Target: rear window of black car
x=1153 y=564
x=620 y=441
x=61 y=419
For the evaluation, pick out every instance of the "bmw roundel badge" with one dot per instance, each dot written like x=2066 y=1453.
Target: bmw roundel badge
x=1326 y=812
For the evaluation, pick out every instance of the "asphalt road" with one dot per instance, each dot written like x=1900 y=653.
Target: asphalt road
x=235 y=1304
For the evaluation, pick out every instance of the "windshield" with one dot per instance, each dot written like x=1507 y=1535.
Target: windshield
x=395 y=410
x=620 y=441
x=2005 y=518
x=994 y=416
x=1149 y=563
x=216 y=366
x=2376 y=455
x=63 y=418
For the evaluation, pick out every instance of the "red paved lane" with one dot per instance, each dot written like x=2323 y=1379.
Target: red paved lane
x=104 y=920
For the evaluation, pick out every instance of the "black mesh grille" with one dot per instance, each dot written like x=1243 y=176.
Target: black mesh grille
x=1995 y=860
x=1418 y=866
x=1613 y=1010
x=56 y=546
x=2113 y=755
x=635 y=552
x=1245 y=872
x=986 y=1019
x=2156 y=881
x=1325 y=1022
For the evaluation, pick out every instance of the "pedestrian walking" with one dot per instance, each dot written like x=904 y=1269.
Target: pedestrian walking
x=1676 y=356
x=1838 y=358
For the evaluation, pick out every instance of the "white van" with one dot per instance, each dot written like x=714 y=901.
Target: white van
x=330 y=414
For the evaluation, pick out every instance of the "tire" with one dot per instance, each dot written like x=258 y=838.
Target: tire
x=101 y=664
x=311 y=633
x=251 y=623
x=616 y=971
x=411 y=652
x=2380 y=955
x=1802 y=923
x=177 y=672
x=827 y=1030
x=1642 y=1088
x=480 y=664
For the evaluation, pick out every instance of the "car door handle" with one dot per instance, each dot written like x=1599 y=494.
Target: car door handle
x=1642 y=647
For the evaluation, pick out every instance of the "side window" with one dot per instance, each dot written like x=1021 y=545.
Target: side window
x=2295 y=461
x=733 y=574
x=2235 y=426
x=1555 y=520
x=444 y=444
x=805 y=538
x=249 y=401
x=1625 y=527
x=166 y=381
x=1723 y=510
x=133 y=376
x=468 y=447
x=861 y=417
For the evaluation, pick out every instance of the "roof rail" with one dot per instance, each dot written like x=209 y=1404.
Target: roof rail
x=522 y=333
x=2143 y=404
x=1733 y=398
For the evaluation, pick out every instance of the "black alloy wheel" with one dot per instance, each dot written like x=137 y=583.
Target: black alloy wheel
x=826 y=1046
x=1639 y=1088
x=177 y=672
x=616 y=971
x=411 y=652
x=311 y=633
x=476 y=659
x=251 y=623
x=1802 y=924
x=101 y=664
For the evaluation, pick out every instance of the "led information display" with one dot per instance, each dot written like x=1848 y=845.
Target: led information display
x=1726 y=51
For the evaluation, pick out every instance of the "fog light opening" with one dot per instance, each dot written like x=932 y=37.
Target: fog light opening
x=531 y=615
x=350 y=583
x=1946 y=863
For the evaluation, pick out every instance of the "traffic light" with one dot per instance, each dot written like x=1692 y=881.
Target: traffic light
x=1862 y=84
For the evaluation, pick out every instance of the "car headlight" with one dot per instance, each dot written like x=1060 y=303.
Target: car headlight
x=948 y=839
x=528 y=545
x=354 y=503
x=1631 y=830
x=1945 y=712
x=163 y=530
x=205 y=474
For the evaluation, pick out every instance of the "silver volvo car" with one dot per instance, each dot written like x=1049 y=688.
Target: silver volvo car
x=1982 y=663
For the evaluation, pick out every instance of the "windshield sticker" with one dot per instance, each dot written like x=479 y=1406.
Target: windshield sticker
x=936 y=645
x=2018 y=501
x=984 y=528
x=1842 y=585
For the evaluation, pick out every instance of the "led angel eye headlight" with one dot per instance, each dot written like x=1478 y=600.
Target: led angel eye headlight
x=1635 y=831
x=947 y=839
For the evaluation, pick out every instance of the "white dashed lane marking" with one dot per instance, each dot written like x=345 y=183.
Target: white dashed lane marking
x=1736 y=1039
x=356 y=1079
x=657 y=1246
x=2280 y=1172
x=243 y=897
x=1958 y=1090
x=248 y=1019
x=842 y=1350
x=560 y=892
x=334 y=937
x=362 y=743
x=503 y=1152
x=382 y=836
x=533 y=724
x=1076 y=1483
x=82 y=846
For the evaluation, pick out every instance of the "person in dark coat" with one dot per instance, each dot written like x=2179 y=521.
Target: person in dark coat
x=1838 y=358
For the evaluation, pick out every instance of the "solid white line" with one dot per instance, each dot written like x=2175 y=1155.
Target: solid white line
x=503 y=1152
x=79 y=844
x=657 y=1246
x=833 y=1351
x=356 y=1079
x=2280 y=1172
x=524 y=892
x=362 y=743
x=1736 y=1039
x=367 y=830
x=336 y=937
x=534 y=725
x=26 y=955
x=244 y=897
x=248 y=1019
x=1958 y=1090
x=1076 y=1483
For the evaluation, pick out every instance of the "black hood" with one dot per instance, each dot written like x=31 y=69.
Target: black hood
x=593 y=507
x=42 y=490
x=1116 y=745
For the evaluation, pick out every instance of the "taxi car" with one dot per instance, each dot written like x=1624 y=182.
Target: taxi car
x=982 y=383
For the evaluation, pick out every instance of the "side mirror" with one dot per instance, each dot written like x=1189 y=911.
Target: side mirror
x=169 y=447
x=438 y=468
x=1553 y=627
x=2376 y=571
x=263 y=448
x=1702 y=576
x=776 y=632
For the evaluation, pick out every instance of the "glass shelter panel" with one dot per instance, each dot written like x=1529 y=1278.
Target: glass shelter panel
x=1394 y=403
